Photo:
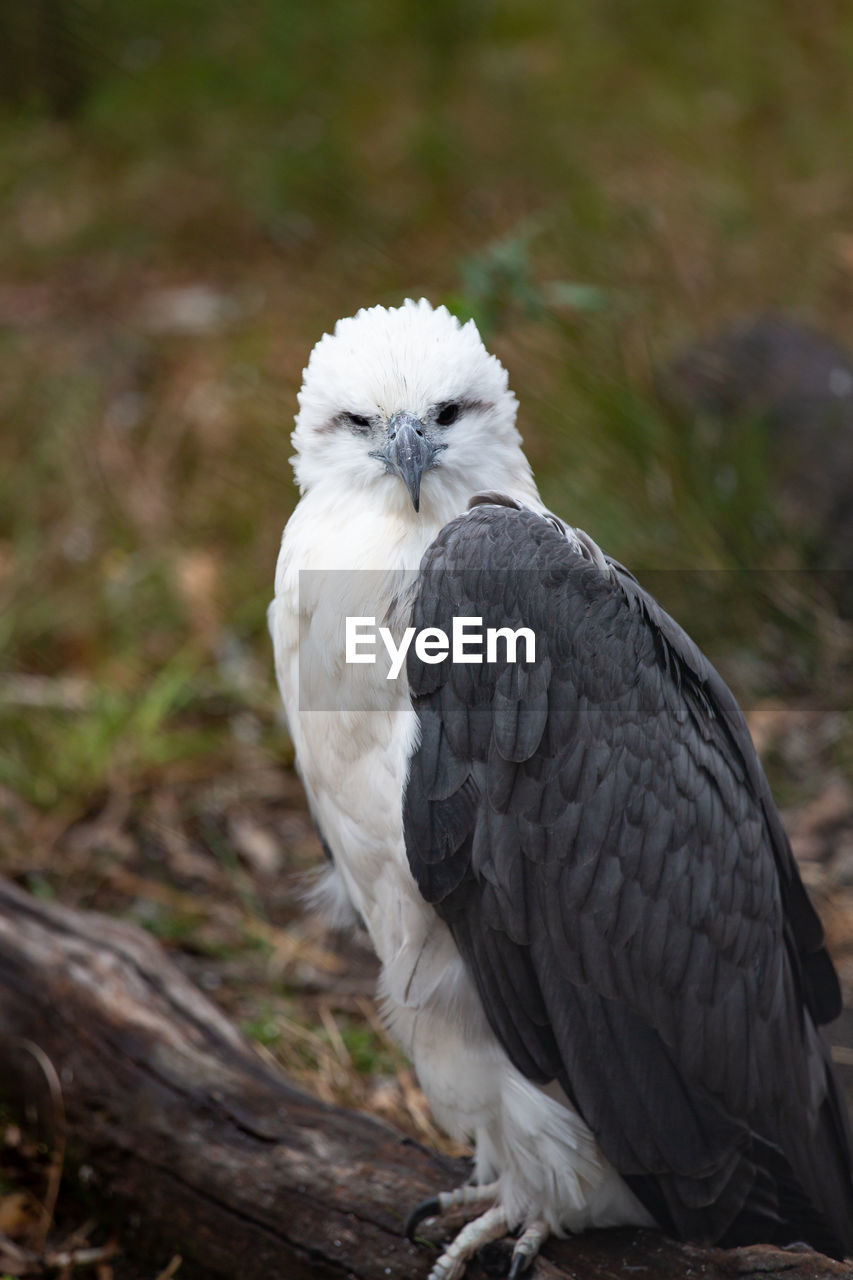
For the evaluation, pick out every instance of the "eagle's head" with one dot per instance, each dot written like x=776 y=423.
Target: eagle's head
x=406 y=405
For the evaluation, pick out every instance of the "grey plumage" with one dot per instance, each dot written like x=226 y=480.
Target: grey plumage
x=597 y=832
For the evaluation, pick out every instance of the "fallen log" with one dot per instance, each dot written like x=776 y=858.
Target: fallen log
x=197 y=1145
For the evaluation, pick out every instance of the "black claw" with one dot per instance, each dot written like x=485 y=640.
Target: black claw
x=429 y=1208
x=518 y=1265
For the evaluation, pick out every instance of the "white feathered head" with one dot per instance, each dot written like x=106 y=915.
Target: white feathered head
x=406 y=404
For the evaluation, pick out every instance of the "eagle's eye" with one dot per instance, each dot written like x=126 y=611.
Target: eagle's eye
x=357 y=420
x=447 y=414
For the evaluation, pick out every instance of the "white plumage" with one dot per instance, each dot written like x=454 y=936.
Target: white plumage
x=353 y=755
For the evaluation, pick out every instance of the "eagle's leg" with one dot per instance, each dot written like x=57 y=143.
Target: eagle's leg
x=527 y=1247
x=461 y=1198
x=491 y=1225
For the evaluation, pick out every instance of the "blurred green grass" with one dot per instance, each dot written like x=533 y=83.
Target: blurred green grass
x=190 y=193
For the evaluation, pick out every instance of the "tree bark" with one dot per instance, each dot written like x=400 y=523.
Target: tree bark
x=176 y=1123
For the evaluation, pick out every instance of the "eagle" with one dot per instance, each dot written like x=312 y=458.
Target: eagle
x=594 y=943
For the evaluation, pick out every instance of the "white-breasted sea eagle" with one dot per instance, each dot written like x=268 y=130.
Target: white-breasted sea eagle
x=595 y=945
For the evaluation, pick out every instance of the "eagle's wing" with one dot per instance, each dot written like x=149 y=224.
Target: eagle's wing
x=597 y=831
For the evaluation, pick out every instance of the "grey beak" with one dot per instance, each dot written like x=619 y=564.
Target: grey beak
x=409 y=453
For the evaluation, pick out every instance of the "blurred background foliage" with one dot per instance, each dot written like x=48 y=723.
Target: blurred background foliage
x=192 y=191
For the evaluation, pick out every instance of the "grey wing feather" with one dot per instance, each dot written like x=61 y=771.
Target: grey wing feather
x=596 y=829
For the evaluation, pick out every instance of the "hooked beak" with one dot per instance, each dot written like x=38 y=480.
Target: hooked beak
x=409 y=453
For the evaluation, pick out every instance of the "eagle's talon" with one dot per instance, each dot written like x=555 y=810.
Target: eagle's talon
x=469 y=1195
x=429 y=1208
x=527 y=1248
x=491 y=1225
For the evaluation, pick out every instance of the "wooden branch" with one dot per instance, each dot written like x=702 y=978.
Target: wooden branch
x=197 y=1145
